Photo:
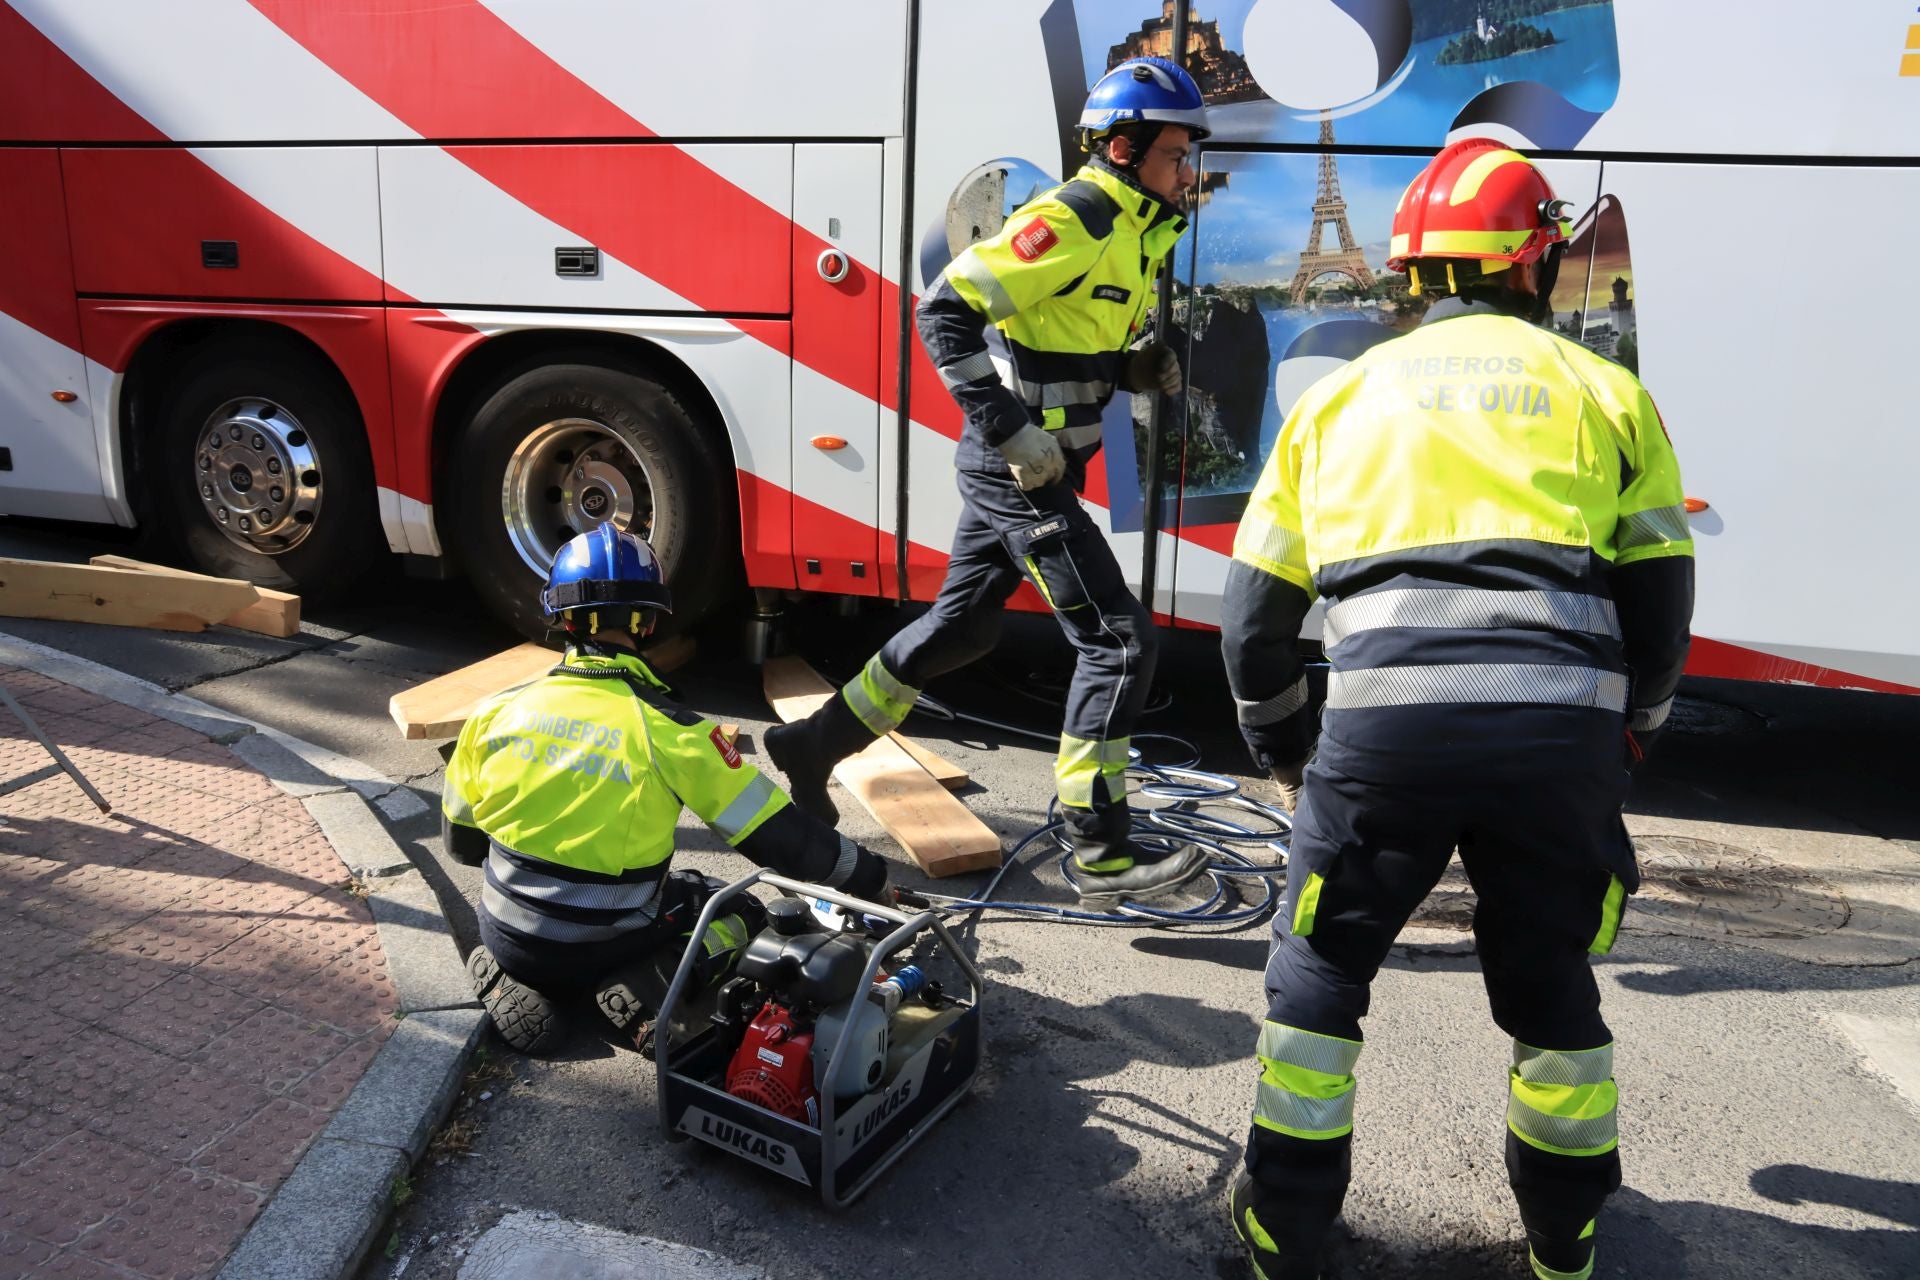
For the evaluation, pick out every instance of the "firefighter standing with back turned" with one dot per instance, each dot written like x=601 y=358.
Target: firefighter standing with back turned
x=570 y=790
x=1068 y=282
x=1494 y=516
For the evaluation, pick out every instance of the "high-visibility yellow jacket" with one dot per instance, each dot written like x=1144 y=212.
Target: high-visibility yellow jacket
x=1495 y=517
x=1067 y=281
x=577 y=782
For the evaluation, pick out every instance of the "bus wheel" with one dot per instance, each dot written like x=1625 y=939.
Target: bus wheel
x=264 y=469
x=565 y=447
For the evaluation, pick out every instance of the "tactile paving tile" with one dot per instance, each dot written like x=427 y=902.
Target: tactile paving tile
x=256 y=830
x=161 y=738
x=28 y=946
x=33 y=1030
x=175 y=809
x=262 y=964
x=188 y=856
x=21 y=871
x=178 y=1114
x=328 y=1087
x=20 y=1255
x=310 y=859
x=214 y=770
x=185 y=1226
x=94 y=900
x=264 y=1149
x=27 y=1129
x=26 y=684
x=325 y=932
x=89 y=985
x=77 y=1182
x=274 y=1049
x=89 y=1072
x=355 y=993
x=182 y=1015
x=63 y=698
x=70 y=1265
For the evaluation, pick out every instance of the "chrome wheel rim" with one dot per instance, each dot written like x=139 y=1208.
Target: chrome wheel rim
x=258 y=476
x=566 y=477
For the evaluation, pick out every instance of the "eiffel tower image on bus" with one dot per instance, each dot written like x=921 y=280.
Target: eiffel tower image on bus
x=1329 y=209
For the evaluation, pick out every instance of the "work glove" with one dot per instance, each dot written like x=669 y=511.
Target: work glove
x=1289 y=778
x=1154 y=368
x=1034 y=457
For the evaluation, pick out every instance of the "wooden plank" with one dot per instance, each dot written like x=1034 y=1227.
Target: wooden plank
x=809 y=689
x=275 y=613
x=438 y=707
x=934 y=828
x=118 y=597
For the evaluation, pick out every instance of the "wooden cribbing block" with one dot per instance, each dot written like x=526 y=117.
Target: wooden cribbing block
x=274 y=613
x=438 y=707
x=934 y=828
x=808 y=690
x=118 y=597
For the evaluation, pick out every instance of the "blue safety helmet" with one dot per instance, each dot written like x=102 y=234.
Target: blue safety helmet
x=1143 y=91
x=606 y=570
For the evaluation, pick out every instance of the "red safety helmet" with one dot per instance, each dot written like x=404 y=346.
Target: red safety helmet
x=1477 y=199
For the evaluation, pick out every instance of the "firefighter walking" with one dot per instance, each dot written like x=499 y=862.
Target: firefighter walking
x=1067 y=281
x=1494 y=517
x=570 y=789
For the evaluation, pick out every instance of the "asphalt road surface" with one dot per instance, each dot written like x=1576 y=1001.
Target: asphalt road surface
x=1763 y=993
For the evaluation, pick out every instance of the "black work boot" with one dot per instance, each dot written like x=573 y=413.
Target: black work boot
x=626 y=998
x=1257 y=1221
x=1123 y=877
x=526 y=1020
x=807 y=750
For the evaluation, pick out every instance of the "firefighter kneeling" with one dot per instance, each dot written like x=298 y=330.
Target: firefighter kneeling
x=570 y=790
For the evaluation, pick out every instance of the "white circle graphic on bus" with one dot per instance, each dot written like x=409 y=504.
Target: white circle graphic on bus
x=1310 y=53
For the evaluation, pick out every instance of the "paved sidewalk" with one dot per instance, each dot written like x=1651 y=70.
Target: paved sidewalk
x=188 y=991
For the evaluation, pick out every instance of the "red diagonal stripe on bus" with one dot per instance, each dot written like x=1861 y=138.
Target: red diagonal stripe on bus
x=455 y=70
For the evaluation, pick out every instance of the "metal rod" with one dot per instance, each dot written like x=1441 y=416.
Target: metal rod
x=59 y=757
x=1163 y=321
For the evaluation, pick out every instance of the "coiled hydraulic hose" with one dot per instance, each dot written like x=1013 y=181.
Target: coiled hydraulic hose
x=1192 y=815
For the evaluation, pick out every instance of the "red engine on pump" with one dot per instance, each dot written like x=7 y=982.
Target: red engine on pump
x=773 y=1067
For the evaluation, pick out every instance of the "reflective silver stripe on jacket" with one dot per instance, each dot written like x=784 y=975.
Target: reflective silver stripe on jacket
x=1058 y=395
x=1274 y=543
x=1469 y=608
x=969 y=268
x=1647 y=719
x=539 y=887
x=1077 y=437
x=1477 y=682
x=970 y=369
x=528 y=921
x=1274 y=709
x=733 y=819
x=1645 y=528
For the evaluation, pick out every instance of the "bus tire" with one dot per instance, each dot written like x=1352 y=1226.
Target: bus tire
x=264 y=473
x=563 y=447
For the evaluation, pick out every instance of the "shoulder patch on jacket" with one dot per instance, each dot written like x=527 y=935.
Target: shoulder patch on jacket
x=728 y=752
x=1111 y=293
x=1032 y=241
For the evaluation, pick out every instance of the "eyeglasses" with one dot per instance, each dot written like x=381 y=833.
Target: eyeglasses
x=1181 y=156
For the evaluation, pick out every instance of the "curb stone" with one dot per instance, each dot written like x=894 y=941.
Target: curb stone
x=321 y=1221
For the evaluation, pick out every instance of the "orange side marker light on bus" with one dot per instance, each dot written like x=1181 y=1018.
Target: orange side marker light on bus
x=65 y=397
x=1695 y=506
x=828 y=443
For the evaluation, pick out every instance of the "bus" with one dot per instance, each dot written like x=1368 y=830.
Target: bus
x=300 y=285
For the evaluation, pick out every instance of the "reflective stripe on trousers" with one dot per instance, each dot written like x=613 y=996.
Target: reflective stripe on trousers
x=1473 y=682
x=1471 y=608
x=1082 y=760
x=1306 y=1082
x=878 y=699
x=1564 y=1101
